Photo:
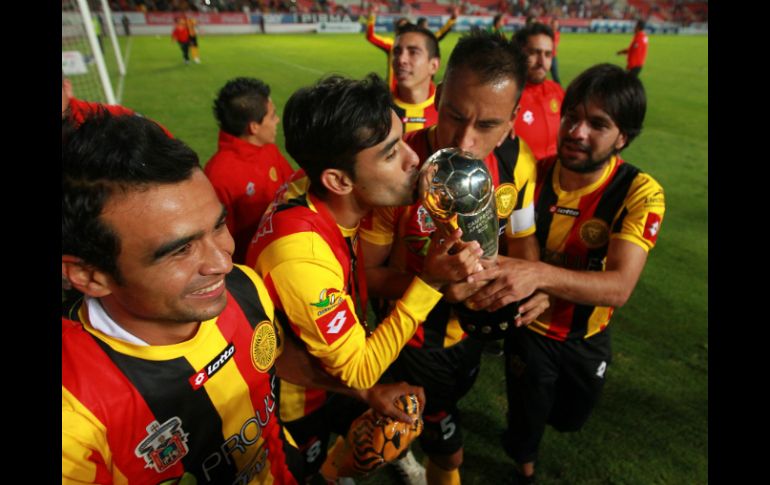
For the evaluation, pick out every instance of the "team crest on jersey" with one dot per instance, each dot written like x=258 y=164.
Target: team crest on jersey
x=528 y=117
x=594 y=233
x=250 y=189
x=165 y=445
x=273 y=173
x=554 y=105
x=328 y=300
x=263 y=346
x=424 y=220
x=505 y=199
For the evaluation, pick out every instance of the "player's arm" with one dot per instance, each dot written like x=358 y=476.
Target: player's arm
x=84 y=445
x=447 y=27
x=307 y=279
x=626 y=257
x=383 y=43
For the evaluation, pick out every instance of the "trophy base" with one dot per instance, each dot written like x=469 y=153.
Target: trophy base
x=487 y=325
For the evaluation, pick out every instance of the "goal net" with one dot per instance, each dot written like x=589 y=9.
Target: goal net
x=91 y=57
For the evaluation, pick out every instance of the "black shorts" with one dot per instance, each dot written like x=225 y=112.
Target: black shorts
x=550 y=382
x=193 y=41
x=446 y=375
x=312 y=432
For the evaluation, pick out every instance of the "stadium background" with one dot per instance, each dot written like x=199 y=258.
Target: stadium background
x=651 y=424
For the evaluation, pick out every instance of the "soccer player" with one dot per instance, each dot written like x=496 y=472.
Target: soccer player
x=168 y=362
x=192 y=29
x=554 y=60
x=477 y=104
x=386 y=44
x=538 y=119
x=182 y=36
x=346 y=137
x=637 y=51
x=248 y=168
x=416 y=58
x=597 y=218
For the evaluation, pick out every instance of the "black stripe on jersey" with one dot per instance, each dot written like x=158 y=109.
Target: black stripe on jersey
x=165 y=388
x=611 y=201
x=245 y=293
x=507 y=155
x=543 y=214
x=299 y=201
x=520 y=198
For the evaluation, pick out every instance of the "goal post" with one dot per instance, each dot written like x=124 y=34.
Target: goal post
x=83 y=60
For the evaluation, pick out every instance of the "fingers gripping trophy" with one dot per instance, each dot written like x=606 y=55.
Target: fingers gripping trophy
x=458 y=192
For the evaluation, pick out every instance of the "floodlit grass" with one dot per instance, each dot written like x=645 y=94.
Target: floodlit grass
x=651 y=424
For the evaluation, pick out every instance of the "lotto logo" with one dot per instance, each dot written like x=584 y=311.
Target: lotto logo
x=335 y=323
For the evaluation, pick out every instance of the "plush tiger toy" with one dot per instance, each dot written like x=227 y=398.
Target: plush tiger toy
x=374 y=439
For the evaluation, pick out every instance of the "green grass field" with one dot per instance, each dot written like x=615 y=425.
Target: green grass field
x=651 y=424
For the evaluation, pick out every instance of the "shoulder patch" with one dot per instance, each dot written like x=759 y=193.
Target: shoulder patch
x=594 y=233
x=334 y=324
x=505 y=198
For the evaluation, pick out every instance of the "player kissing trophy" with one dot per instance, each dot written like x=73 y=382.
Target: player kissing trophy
x=458 y=192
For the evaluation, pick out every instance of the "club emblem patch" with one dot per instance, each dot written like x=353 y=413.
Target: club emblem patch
x=505 y=198
x=554 y=105
x=594 y=233
x=263 y=346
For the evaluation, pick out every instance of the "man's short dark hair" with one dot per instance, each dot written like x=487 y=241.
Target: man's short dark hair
x=327 y=124
x=422 y=21
x=619 y=93
x=431 y=43
x=491 y=57
x=535 y=28
x=239 y=102
x=641 y=24
x=105 y=156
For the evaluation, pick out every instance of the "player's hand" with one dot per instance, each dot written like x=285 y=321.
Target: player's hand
x=450 y=260
x=461 y=291
x=382 y=398
x=514 y=280
x=532 y=308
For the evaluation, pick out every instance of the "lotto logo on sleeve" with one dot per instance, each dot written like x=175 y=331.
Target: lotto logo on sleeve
x=335 y=323
x=652 y=227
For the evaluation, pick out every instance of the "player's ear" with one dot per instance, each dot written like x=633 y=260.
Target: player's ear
x=84 y=277
x=434 y=64
x=621 y=141
x=337 y=181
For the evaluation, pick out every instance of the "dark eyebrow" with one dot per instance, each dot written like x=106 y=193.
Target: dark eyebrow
x=388 y=147
x=172 y=246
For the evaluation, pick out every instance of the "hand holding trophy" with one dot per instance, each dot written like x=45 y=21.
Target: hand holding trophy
x=457 y=190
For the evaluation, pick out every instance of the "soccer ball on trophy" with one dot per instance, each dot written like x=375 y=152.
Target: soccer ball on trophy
x=458 y=191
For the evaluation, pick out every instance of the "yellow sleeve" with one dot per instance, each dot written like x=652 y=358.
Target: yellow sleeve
x=83 y=444
x=642 y=213
x=380 y=227
x=521 y=222
x=308 y=280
